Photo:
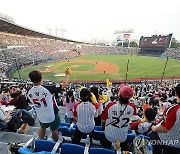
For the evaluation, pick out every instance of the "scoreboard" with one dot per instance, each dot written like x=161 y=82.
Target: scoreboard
x=155 y=42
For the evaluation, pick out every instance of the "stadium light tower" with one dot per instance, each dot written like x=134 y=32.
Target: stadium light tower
x=49 y=30
x=62 y=31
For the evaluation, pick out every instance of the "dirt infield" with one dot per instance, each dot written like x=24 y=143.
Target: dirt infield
x=100 y=66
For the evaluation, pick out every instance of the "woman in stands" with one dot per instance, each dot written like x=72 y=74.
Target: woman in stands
x=116 y=117
x=84 y=113
x=69 y=102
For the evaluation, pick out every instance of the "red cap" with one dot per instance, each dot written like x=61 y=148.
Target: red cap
x=125 y=91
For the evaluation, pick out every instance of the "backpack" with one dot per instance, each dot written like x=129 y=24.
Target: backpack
x=14 y=124
x=28 y=119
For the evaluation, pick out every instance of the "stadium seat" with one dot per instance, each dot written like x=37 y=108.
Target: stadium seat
x=41 y=147
x=67 y=148
x=99 y=128
x=100 y=151
x=44 y=145
x=64 y=130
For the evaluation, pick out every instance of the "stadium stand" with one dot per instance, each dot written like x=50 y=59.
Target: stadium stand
x=155 y=94
x=172 y=53
x=31 y=47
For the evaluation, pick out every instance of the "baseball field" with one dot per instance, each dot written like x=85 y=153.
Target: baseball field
x=101 y=67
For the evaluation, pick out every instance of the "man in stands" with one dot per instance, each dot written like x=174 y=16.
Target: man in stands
x=167 y=132
x=45 y=104
x=115 y=118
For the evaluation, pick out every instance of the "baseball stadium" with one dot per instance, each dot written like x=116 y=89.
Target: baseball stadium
x=63 y=96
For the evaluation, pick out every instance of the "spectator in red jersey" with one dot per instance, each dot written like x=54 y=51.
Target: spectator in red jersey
x=167 y=132
x=84 y=113
x=116 y=117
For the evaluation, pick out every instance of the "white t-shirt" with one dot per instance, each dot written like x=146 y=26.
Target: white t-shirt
x=85 y=113
x=44 y=103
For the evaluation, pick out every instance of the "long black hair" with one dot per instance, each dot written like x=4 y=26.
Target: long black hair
x=94 y=90
x=69 y=94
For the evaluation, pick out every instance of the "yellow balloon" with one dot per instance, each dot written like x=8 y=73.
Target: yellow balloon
x=93 y=98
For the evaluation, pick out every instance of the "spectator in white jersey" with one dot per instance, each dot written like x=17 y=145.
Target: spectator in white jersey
x=115 y=118
x=84 y=113
x=166 y=135
x=45 y=104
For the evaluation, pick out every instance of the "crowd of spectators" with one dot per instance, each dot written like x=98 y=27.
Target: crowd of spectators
x=151 y=99
x=172 y=53
x=100 y=49
x=24 y=50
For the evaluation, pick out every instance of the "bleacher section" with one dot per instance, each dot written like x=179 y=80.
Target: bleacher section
x=150 y=53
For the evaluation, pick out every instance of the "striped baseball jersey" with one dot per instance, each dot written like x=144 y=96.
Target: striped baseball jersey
x=44 y=103
x=117 y=117
x=171 y=121
x=85 y=113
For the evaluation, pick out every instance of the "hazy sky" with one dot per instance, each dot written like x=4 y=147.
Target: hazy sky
x=86 y=19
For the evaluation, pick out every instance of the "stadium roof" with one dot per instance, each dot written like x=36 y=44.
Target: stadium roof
x=11 y=27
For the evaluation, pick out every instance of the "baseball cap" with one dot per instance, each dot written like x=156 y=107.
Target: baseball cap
x=125 y=91
x=85 y=93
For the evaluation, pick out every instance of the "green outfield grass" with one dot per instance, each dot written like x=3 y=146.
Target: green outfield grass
x=139 y=67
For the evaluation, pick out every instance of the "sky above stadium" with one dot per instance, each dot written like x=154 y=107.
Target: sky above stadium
x=86 y=19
